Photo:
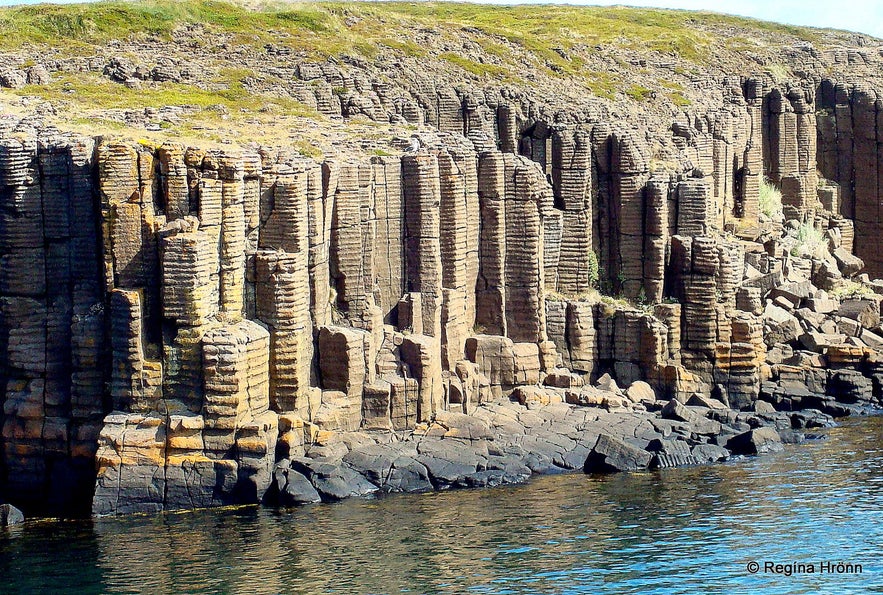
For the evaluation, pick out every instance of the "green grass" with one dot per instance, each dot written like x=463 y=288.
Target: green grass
x=678 y=99
x=639 y=93
x=100 y=22
x=92 y=90
x=810 y=241
x=779 y=72
x=324 y=26
x=477 y=68
x=307 y=149
x=852 y=290
x=520 y=41
x=770 y=202
x=403 y=46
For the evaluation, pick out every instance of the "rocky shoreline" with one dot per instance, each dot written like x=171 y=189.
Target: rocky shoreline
x=508 y=442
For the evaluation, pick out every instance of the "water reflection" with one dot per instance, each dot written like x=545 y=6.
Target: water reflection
x=676 y=531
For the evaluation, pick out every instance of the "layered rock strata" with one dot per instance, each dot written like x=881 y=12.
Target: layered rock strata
x=190 y=323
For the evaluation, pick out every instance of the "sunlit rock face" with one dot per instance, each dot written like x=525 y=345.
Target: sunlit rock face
x=184 y=326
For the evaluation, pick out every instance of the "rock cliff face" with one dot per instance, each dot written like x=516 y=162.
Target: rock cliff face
x=175 y=321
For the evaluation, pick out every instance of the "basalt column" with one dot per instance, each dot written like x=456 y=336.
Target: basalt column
x=282 y=279
x=388 y=245
x=694 y=266
x=656 y=196
x=421 y=352
x=866 y=184
x=458 y=234
x=751 y=174
x=623 y=171
x=490 y=292
x=850 y=152
x=572 y=183
x=422 y=233
x=51 y=322
x=527 y=193
x=791 y=148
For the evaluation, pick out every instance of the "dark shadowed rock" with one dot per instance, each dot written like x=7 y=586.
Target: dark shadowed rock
x=490 y=478
x=294 y=488
x=763 y=407
x=675 y=410
x=407 y=475
x=710 y=453
x=755 y=442
x=612 y=454
x=334 y=481
x=811 y=418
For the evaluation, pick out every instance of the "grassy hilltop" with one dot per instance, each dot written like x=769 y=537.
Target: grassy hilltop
x=609 y=53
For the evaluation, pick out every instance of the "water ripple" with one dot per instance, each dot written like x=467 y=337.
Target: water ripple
x=675 y=531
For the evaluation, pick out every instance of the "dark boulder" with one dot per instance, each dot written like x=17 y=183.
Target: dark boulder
x=294 y=488
x=755 y=442
x=850 y=386
x=333 y=481
x=710 y=453
x=611 y=454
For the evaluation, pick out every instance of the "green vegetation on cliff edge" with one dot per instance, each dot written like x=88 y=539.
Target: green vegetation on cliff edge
x=332 y=27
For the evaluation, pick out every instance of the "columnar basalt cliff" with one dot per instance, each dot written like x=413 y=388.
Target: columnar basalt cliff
x=186 y=326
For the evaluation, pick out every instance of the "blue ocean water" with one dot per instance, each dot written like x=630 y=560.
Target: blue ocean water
x=693 y=530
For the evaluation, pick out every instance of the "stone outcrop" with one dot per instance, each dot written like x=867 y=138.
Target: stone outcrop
x=184 y=327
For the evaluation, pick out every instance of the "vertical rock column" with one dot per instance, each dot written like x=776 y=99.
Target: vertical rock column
x=135 y=381
x=826 y=131
x=490 y=292
x=507 y=127
x=621 y=208
x=128 y=187
x=51 y=323
x=694 y=208
x=845 y=169
x=175 y=185
x=723 y=131
x=343 y=367
x=602 y=155
x=449 y=111
x=867 y=211
x=791 y=157
x=352 y=245
x=803 y=102
x=694 y=266
x=88 y=367
x=283 y=304
x=420 y=175
x=458 y=235
x=752 y=172
x=655 y=237
x=582 y=336
x=422 y=353
x=190 y=301
x=23 y=321
x=738 y=362
x=572 y=183
x=320 y=205
x=238 y=423
x=388 y=247
x=524 y=285
x=232 y=245
x=283 y=291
